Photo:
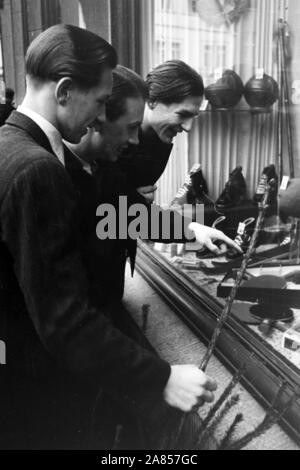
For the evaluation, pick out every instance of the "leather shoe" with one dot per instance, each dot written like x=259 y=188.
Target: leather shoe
x=194 y=190
x=234 y=191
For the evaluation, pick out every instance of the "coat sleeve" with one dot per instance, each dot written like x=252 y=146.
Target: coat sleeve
x=38 y=221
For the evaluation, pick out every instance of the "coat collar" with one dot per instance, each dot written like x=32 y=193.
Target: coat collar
x=21 y=121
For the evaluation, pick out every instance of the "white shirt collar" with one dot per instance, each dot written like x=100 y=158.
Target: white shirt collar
x=51 y=132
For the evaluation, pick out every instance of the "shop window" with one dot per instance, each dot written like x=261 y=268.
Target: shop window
x=220 y=35
x=164 y=51
x=258 y=42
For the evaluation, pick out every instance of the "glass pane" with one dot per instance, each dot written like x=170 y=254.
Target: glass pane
x=244 y=138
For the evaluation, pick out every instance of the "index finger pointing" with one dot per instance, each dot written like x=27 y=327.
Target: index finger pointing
x=230 y=242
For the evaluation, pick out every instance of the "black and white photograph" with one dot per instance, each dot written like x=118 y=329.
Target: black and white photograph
x=149 y=227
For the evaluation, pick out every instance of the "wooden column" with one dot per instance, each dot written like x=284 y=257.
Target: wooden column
x=96 y=14
x=34 y=19
x=14 y=38
x=125 y=18
x=70 y=12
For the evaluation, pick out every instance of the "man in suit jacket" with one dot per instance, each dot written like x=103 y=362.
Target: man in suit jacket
x=61 y=350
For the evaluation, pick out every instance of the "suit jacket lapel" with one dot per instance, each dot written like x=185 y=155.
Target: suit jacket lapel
x=21 y=121
x=73 y=164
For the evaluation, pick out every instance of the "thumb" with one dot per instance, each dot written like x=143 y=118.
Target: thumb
x=211 y=246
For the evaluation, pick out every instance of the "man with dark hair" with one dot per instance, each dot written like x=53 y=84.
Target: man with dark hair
x=175 y=95
x=66 y=51
x=126 y=84
x=173 y=82
x=61 y=349
x=124 y=112
x=125 y=105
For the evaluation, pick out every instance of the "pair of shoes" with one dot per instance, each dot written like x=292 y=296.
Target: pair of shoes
x=242 y=238
x=194 y=190
x=234 y=191
x=268 y=174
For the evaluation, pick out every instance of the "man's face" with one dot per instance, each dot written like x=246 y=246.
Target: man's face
x=85 y=108
x=115 y=136
x=167 y=120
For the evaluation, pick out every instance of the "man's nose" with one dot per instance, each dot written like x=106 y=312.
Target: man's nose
x=187 y=125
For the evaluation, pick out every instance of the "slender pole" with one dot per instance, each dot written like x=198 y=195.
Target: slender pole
x=227 y=309
x=280 y=113
x=263 y=206
x=286 y=100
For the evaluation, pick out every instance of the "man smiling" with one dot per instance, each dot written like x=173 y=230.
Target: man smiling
x=175 y=96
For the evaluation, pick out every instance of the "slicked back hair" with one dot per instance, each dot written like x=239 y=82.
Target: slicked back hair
x=126 y=84
x=68 y=51
x=173 y=82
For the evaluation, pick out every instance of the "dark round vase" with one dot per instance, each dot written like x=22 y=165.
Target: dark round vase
x=226 y=92
x=261 y=93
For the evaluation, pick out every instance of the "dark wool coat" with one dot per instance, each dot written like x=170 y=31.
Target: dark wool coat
x=60 y=348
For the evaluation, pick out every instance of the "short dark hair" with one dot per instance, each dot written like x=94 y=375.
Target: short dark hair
x=126 y=84
x=174 y=81
x=68 y=51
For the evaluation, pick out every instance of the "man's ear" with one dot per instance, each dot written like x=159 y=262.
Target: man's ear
x=62 y=90
x=152 y=104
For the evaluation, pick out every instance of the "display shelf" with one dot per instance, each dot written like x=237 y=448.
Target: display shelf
x=192 y=294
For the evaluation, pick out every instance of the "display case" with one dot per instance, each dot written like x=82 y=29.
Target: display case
x=246 y=135
x=266 y=341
